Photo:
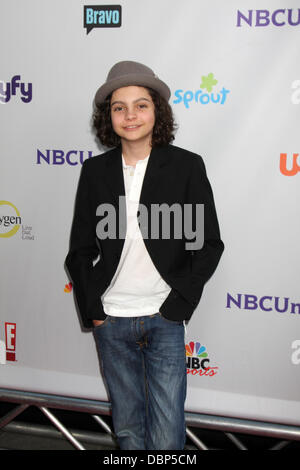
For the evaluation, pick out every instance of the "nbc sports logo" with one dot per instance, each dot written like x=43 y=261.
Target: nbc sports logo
x=197 y=360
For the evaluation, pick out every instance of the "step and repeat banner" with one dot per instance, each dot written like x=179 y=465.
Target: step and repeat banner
x=233 y=69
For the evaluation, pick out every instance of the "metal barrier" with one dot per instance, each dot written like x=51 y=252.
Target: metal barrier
x=285 y=434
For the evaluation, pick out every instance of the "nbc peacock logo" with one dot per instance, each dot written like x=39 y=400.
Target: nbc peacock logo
x=68 y=288
x=197 y=361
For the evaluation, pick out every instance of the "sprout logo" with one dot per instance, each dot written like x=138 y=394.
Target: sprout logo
x=200 y=96
x=197 y=360
x=10 y=219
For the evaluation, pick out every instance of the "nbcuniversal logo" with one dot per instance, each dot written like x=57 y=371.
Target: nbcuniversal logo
x=262 y=18
x=265 y=303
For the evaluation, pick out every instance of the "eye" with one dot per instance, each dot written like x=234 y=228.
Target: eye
x=117 y=109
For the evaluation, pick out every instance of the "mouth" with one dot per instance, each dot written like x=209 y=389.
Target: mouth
x=131 y=128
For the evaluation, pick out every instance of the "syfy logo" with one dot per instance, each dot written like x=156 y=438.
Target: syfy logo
x=8 y=348
x=280 y=17
x=9 y=89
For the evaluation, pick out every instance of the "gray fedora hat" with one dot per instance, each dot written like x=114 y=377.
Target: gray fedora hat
x=128 y=73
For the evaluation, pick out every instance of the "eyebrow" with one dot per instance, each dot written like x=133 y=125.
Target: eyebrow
x=135 y=101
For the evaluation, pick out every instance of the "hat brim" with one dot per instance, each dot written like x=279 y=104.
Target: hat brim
x=132 y=79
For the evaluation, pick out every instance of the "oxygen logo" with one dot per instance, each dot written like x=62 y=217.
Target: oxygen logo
x=197 y=360
x=204 y=95
x=283 y=166
x=102 y=16
x=10 y=219
x=10 y=222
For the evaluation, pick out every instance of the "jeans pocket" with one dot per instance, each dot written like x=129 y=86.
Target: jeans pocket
x=97 y=327
x=174 y=322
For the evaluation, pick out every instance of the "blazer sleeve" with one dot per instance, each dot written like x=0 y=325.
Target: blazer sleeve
x=204 y=260
x=83 y=249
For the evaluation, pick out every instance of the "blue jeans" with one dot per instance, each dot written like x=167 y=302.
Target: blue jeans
x=144 y=365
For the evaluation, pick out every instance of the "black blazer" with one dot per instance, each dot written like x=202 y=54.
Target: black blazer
x=173 y=175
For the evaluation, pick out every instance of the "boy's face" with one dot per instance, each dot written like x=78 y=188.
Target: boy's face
x=133 y=114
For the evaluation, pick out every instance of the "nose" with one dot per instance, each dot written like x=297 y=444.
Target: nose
x=130 y=114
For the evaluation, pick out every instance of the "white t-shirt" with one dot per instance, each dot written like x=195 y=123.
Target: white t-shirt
x=137 y=288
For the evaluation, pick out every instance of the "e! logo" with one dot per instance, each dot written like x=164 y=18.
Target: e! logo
x=8 y=349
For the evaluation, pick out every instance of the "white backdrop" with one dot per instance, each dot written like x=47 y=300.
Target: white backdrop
x=248 y=320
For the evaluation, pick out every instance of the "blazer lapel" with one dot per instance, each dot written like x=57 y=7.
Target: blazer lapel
x=114 y=174
x=159 y=157
x=115 y=180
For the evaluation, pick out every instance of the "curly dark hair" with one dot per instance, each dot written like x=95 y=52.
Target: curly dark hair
x=164 y=127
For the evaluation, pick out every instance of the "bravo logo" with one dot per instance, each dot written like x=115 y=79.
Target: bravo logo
x=197 y=361
x=102 y=16
x=8 y=348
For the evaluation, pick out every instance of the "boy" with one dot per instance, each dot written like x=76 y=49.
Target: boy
x=146 y=283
